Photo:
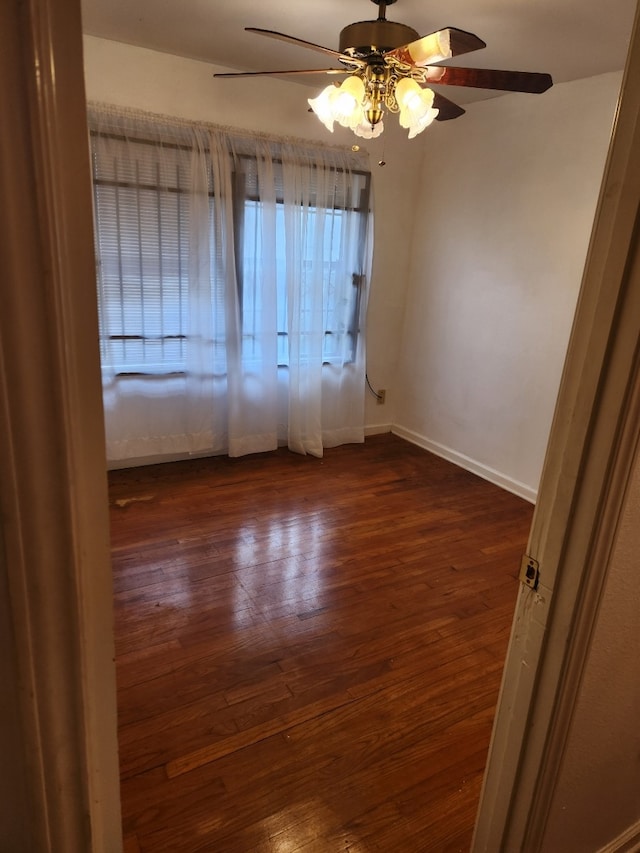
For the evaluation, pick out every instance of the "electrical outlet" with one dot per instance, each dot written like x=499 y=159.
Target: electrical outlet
x=382 y=395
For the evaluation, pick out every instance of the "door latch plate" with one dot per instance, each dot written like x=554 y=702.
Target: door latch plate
x=529 y=571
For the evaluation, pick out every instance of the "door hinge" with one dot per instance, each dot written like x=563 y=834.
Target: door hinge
x=529 y=571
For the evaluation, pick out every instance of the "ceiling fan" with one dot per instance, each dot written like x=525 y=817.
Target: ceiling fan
x=386 y=64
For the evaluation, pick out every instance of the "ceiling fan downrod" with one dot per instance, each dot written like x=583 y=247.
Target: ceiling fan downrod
x=366 y=39
x=382 y=4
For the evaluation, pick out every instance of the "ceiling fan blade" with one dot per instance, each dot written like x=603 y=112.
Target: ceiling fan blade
x=485 y=78
x=463 y=42
x=343 y=57
x=447 y=109
x=273 y=73
x=443 y=44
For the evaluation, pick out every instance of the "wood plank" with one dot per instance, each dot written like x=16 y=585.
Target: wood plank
x=309 y=651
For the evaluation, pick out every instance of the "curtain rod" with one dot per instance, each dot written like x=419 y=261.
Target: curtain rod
x=175 y=146
x=132 y=112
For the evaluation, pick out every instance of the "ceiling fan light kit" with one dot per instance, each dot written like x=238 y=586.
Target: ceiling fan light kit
x=387 y=64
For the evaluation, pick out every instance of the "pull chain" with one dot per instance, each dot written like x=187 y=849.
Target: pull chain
x=382 y=161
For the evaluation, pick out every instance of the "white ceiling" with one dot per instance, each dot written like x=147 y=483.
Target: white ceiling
x=569 y=39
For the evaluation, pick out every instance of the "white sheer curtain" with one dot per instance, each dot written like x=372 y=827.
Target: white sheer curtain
x=232 y=286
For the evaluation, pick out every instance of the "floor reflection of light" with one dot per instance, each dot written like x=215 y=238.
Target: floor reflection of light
x=297 y=586
x=296 y=826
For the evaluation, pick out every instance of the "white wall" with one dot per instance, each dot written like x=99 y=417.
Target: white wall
x=507 y=200
x=129 y=76
x=597 y=797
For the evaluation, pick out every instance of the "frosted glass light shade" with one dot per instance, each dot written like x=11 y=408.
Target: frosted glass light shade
x=432 y=48
x=347 y=101
x=366 y=131
x=416 y=106
x=322 y=106
x=425 y=121
x=340 y=103
x=352 y=105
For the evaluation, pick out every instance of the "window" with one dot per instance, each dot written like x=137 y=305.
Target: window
x=143 y=210
x=142 y=235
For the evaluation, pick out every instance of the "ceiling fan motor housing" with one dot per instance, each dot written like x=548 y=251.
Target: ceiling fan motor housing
x=366 y=37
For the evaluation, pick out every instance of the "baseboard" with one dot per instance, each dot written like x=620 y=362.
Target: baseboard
x=141 y=461
x=628 y=842
x=377 y=429
x=493 y=476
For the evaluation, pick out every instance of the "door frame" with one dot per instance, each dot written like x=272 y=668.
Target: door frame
x=54 y=542
x=590 y=456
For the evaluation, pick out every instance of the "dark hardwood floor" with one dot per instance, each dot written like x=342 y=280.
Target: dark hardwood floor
x=309 y=651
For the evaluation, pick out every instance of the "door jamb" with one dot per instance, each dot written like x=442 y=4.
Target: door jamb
x=591 y=451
